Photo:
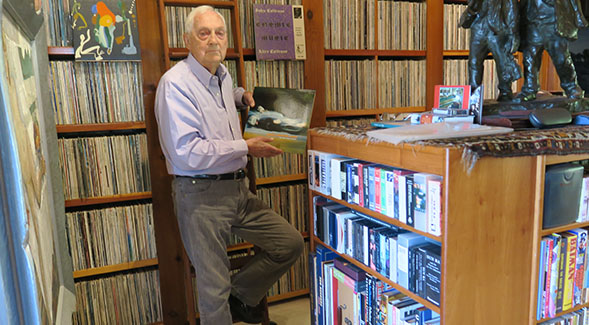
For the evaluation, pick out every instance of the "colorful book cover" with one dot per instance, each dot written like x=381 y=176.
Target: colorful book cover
x=105 y=30
x=580 y=264
x=279 y=32
x=283 y=115
x=569 y=275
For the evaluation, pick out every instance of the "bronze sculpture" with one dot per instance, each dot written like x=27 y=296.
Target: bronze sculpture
x=550 y=25
x=494 y=28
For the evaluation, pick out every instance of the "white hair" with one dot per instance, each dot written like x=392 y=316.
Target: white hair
x=189 y=24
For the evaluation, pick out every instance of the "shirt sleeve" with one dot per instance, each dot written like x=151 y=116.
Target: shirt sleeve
x=238 y=96
x=181 y=136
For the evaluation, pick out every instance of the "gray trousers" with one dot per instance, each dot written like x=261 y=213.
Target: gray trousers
x=208 y=211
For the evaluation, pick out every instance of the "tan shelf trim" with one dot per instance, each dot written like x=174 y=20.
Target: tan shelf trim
x=195 y=3
x=374 y=53
x=279 y=179
x=554 y=159
x=115 y=268
x=374 y=111
x=60 y=52
x=380 y=217
x=426 y=159
x=546 y=232
x=456 y=52
x=383 y=278
x=563 y=313
x=240 y=246
x=288 y=295
x=107 y=199
x=70 y=128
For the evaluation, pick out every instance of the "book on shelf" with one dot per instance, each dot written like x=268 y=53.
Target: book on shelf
x=404 y=242
x=433 y=272
x=281 y=114
x=279 y=32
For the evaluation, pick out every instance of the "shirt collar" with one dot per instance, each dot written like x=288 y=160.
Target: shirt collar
x=202 y=73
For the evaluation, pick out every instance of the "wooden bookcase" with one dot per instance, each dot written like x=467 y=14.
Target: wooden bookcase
x=175 y=274
x=99 y=202
x=491 y=226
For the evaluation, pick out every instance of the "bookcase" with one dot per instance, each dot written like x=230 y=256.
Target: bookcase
x=99 y=113
x=491 y=226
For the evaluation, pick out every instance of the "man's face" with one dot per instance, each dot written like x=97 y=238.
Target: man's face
x=207 y=41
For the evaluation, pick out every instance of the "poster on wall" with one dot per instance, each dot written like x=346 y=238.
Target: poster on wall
x=23 y=112
x=105 y=30
x=279 y=32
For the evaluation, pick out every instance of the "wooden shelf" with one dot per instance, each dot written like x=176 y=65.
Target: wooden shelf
x=551 y=160
x=288 y=295
x=74 y=128
x=107 y=199
x=60 y=52
x=456 y=52
x=374 y=111
x=196 y=3
x=238 y=247
x=382 y=278
x=426 y=159
x=381 y=217
x=280 y=179
x=374 y=53
x=179 y=53
x=249 y=52
x=563 y=313
x=115 y=268
x=547 y=232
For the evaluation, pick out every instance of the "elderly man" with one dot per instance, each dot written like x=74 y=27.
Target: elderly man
x=201 y=139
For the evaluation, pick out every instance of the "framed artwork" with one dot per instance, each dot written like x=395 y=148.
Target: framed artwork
x=30 y=170
x=105 y=30
x=451 y=97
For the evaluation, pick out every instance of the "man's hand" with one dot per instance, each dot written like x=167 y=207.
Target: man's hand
x=248 y=99
x=259 y=147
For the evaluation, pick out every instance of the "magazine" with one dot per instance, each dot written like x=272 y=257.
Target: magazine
x=283 y=114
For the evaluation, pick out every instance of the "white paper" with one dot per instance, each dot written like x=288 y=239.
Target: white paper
x=435 y=131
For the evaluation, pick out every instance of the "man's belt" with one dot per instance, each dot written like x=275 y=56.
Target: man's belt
x=238 y=174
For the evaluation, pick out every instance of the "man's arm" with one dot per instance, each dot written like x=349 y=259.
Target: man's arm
x=243 y=98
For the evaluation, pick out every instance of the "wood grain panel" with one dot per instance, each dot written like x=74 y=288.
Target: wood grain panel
x=489 y=241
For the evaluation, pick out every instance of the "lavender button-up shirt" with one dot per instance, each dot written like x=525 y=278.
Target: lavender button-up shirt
x=198 y=123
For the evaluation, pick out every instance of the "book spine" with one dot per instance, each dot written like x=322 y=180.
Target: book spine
x=410 y=200
x=570 y=273
x=561 y=274
x=434 y=207
x=377 y=190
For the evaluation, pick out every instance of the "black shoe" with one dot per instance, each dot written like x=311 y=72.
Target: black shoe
x=242 y=312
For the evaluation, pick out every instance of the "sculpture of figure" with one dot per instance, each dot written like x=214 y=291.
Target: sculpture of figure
x=494 y=28
x=550 y=25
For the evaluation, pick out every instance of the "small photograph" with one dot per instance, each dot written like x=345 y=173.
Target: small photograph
x=283 y=114
x=452 y=97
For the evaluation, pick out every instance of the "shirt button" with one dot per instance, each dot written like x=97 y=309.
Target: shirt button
x=218 y=94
